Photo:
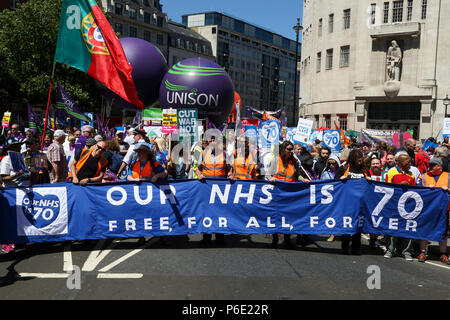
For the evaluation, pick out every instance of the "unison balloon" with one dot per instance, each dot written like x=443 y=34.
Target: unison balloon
x=198 y=83
x=149 y=67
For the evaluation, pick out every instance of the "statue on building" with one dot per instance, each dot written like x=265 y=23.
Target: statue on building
x=393 y=63
x=393 y=60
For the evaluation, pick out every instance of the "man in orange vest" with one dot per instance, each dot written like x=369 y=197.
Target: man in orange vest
x=213 y=166
x=214 y=162
x=146 y=167
x=435 y=177
x=287 y=170
x=89 y=165
x=243 y=166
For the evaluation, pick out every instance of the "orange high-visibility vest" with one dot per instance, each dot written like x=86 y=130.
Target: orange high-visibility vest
x=285 y=173
x=428 y=180
x=146 y=172
x=244 y=169
x=211 y=169
x=85 y=154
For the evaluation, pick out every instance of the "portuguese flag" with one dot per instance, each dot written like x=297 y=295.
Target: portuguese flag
x=87 y=42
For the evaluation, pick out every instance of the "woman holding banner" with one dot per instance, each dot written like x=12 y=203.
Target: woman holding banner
x=353 y=170
x=146 y=167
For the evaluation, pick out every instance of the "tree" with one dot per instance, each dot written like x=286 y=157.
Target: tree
x=28 y=38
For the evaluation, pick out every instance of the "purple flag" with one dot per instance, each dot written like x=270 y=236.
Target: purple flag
x=65 y=106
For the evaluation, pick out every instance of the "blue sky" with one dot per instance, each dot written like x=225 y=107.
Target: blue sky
x=277 y=16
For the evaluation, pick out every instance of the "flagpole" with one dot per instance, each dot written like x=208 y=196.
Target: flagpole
x=48 y=105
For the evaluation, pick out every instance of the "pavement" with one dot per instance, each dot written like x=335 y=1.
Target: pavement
x=247 y=268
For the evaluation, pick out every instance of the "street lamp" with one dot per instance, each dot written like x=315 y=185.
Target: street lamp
x=446 y=103
x=284 y=89
x=297 y=28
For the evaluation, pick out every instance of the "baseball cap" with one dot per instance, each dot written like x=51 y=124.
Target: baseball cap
x=139 y=131
x=30 y=140
x=144 y=146
x=59 y=133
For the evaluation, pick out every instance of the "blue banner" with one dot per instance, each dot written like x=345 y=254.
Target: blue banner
x=66 y=211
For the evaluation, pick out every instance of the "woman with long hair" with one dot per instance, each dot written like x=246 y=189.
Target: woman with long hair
x=354 y=169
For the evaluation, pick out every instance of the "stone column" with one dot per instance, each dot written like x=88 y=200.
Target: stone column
x=426 y=128
x=360 y=114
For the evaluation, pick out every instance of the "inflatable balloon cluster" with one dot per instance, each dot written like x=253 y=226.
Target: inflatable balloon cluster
x=192 y=83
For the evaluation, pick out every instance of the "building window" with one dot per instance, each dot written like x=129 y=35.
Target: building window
x=118 y=27
x=343 y=122
x=373 y=8
x=327 y=118
x=147 y=36
x=330 y=23
x=118 y=9
x=397 y=11
x=345 y=56
x=319 y=61
x=347 y=19
x=147 y=17
x=329 y=63
x=410 y=9
x=213 y=30
x=424 y=9
x=320 y=27
x=386 y=12
x=159 y=39
x=174 y=60
x=160 y=22
x=133 y=14
x=317 y=119
x=133 y=32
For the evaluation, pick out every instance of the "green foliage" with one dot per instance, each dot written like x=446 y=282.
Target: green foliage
x=28 y=38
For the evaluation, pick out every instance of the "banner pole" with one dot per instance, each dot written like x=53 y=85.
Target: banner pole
x=48 y=105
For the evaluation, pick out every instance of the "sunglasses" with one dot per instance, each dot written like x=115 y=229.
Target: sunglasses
x=290 y=149
x=333 y=163
x=98 y=147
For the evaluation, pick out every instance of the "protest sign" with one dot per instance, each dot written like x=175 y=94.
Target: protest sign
x=17 y=161
x=251 y=132
x=169 y=121
x=304 y=128
x=391 y=137
x=153 y=131
x=332 y=140
x=6 y=118
x=187 y=120
x=269 y=133
x=446 y=128
x=40 y=161
x=152 y=114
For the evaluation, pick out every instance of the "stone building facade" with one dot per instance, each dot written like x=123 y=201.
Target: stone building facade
x=376 y=64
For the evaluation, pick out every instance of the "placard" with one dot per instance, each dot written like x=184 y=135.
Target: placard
x=187 y=120
x=6 y=118
x=169 y=121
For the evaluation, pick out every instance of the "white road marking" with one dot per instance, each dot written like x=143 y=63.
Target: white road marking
x=97 y=255
x=127 y=256
x=44 y=275
x=67 y=258
x=119 y=275
x=438 y=264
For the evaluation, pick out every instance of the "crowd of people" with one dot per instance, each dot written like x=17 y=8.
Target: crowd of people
x=82 y=156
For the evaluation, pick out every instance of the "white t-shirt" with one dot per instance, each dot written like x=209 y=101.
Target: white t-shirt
x=130 y=153
x=6 y=169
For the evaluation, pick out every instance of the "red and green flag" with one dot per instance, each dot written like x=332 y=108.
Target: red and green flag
x=87 y=42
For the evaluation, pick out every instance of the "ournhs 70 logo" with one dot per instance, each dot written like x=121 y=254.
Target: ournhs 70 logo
x=41 y=211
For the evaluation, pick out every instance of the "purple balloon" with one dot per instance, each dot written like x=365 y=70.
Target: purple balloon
x=149 y=67
x=198 y=83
